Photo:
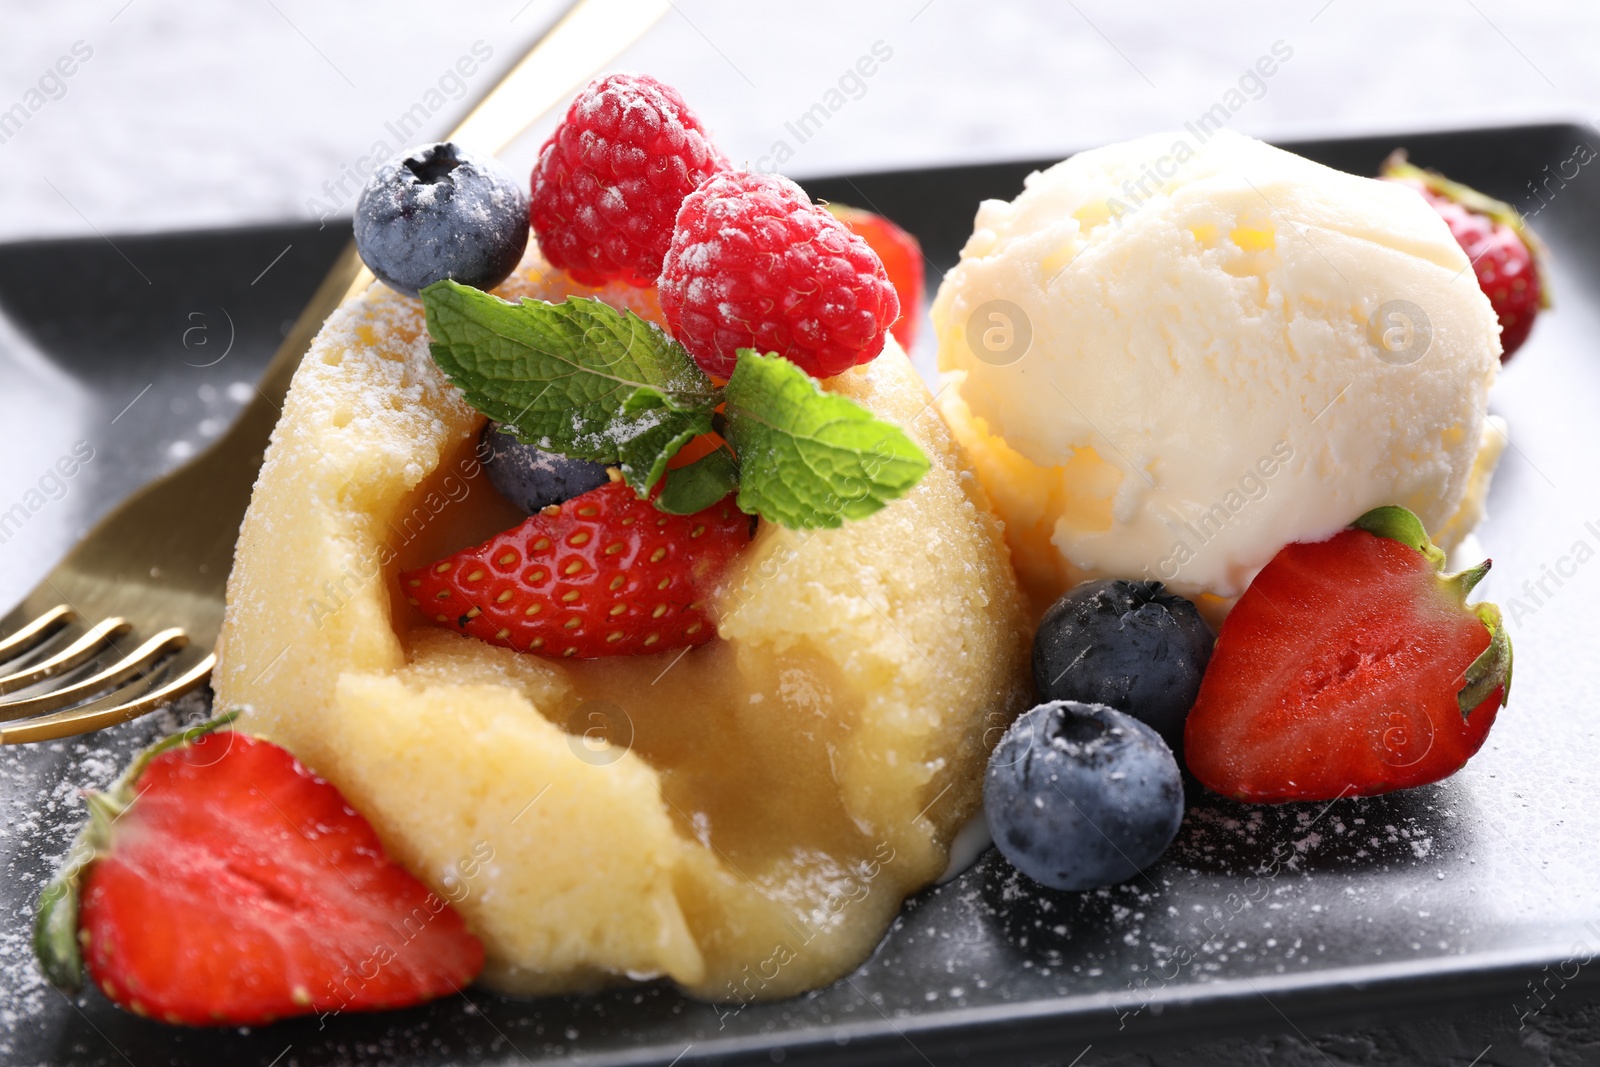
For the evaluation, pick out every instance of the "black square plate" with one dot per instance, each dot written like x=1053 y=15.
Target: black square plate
x=1483 y=887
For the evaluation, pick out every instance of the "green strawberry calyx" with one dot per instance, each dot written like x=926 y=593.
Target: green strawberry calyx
x=1492 y=669
x=55 y=928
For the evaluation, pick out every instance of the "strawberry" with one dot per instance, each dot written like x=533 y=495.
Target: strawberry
x=902 y=259
x=604 y=574
x=1505 y=255
x=1350 y=667
x=221 y=883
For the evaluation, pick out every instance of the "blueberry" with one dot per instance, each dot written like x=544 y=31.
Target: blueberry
x=441 y=212
x=531 y=478
x=1081 y=795
x=1131 y=645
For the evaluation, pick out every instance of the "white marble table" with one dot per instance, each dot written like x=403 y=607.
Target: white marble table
x=190 y=115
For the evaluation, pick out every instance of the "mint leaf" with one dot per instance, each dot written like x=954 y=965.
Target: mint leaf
x=579 y=378
x=588 y=381
x=700 y=484
x=808 y=458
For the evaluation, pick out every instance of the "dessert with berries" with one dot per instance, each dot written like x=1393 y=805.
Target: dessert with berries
x=628 y=582
x=654 y=570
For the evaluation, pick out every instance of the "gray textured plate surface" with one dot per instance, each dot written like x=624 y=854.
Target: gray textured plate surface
x=1466 y=889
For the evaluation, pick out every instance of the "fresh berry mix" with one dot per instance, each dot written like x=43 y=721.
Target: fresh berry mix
x=1080 y=795
x=755 y=264
x=532 y=478
x=748 y=271
x=1504 y=253
x=902 y=261
x=441 y=212
x=605 y=574
x=612 y=176
x=1350 y=667
x=1130 y=645
x=220 y=883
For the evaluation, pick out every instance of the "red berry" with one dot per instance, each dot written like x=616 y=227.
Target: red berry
x=611 y=177
x=1503 y=251
x=604 y=574
x=1507 y=271
x=902 y=259
x=1350 y=667
x=755 y=264
x=235 y=887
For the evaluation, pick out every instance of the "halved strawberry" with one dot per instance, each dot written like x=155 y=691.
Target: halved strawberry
x=1506 y=256
x=221 y=883
x=1350 y=667
x=604 y=574
x=902 y=259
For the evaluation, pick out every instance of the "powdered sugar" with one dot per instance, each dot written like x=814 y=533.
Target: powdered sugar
x=41 y=790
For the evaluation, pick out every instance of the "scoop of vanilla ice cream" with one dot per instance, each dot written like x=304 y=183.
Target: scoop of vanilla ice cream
x=1170 y=358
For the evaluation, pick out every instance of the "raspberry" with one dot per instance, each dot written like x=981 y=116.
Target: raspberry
x=610 y=179
x=755 y=264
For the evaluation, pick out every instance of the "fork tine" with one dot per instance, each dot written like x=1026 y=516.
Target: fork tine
x=114 y=675
x=35 y=632
x=80 y=651
x=85 y=720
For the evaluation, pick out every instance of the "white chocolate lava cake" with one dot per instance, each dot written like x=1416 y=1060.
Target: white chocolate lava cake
x=744 y=818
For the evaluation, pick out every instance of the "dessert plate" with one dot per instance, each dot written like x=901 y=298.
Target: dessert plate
x=1483 y=887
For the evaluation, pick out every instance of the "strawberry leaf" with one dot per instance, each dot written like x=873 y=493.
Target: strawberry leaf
x=1492 y=669
x=808 y=458
x=579 y=378
x=1463 y=582
x=1399 y=524
x=55 y=930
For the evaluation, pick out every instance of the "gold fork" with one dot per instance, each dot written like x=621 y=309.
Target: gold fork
x=128 y=621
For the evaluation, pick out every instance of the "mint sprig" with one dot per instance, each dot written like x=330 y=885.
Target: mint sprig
x=587 y=381
x=700 y=484
x=577 y=378
x=809 y=458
